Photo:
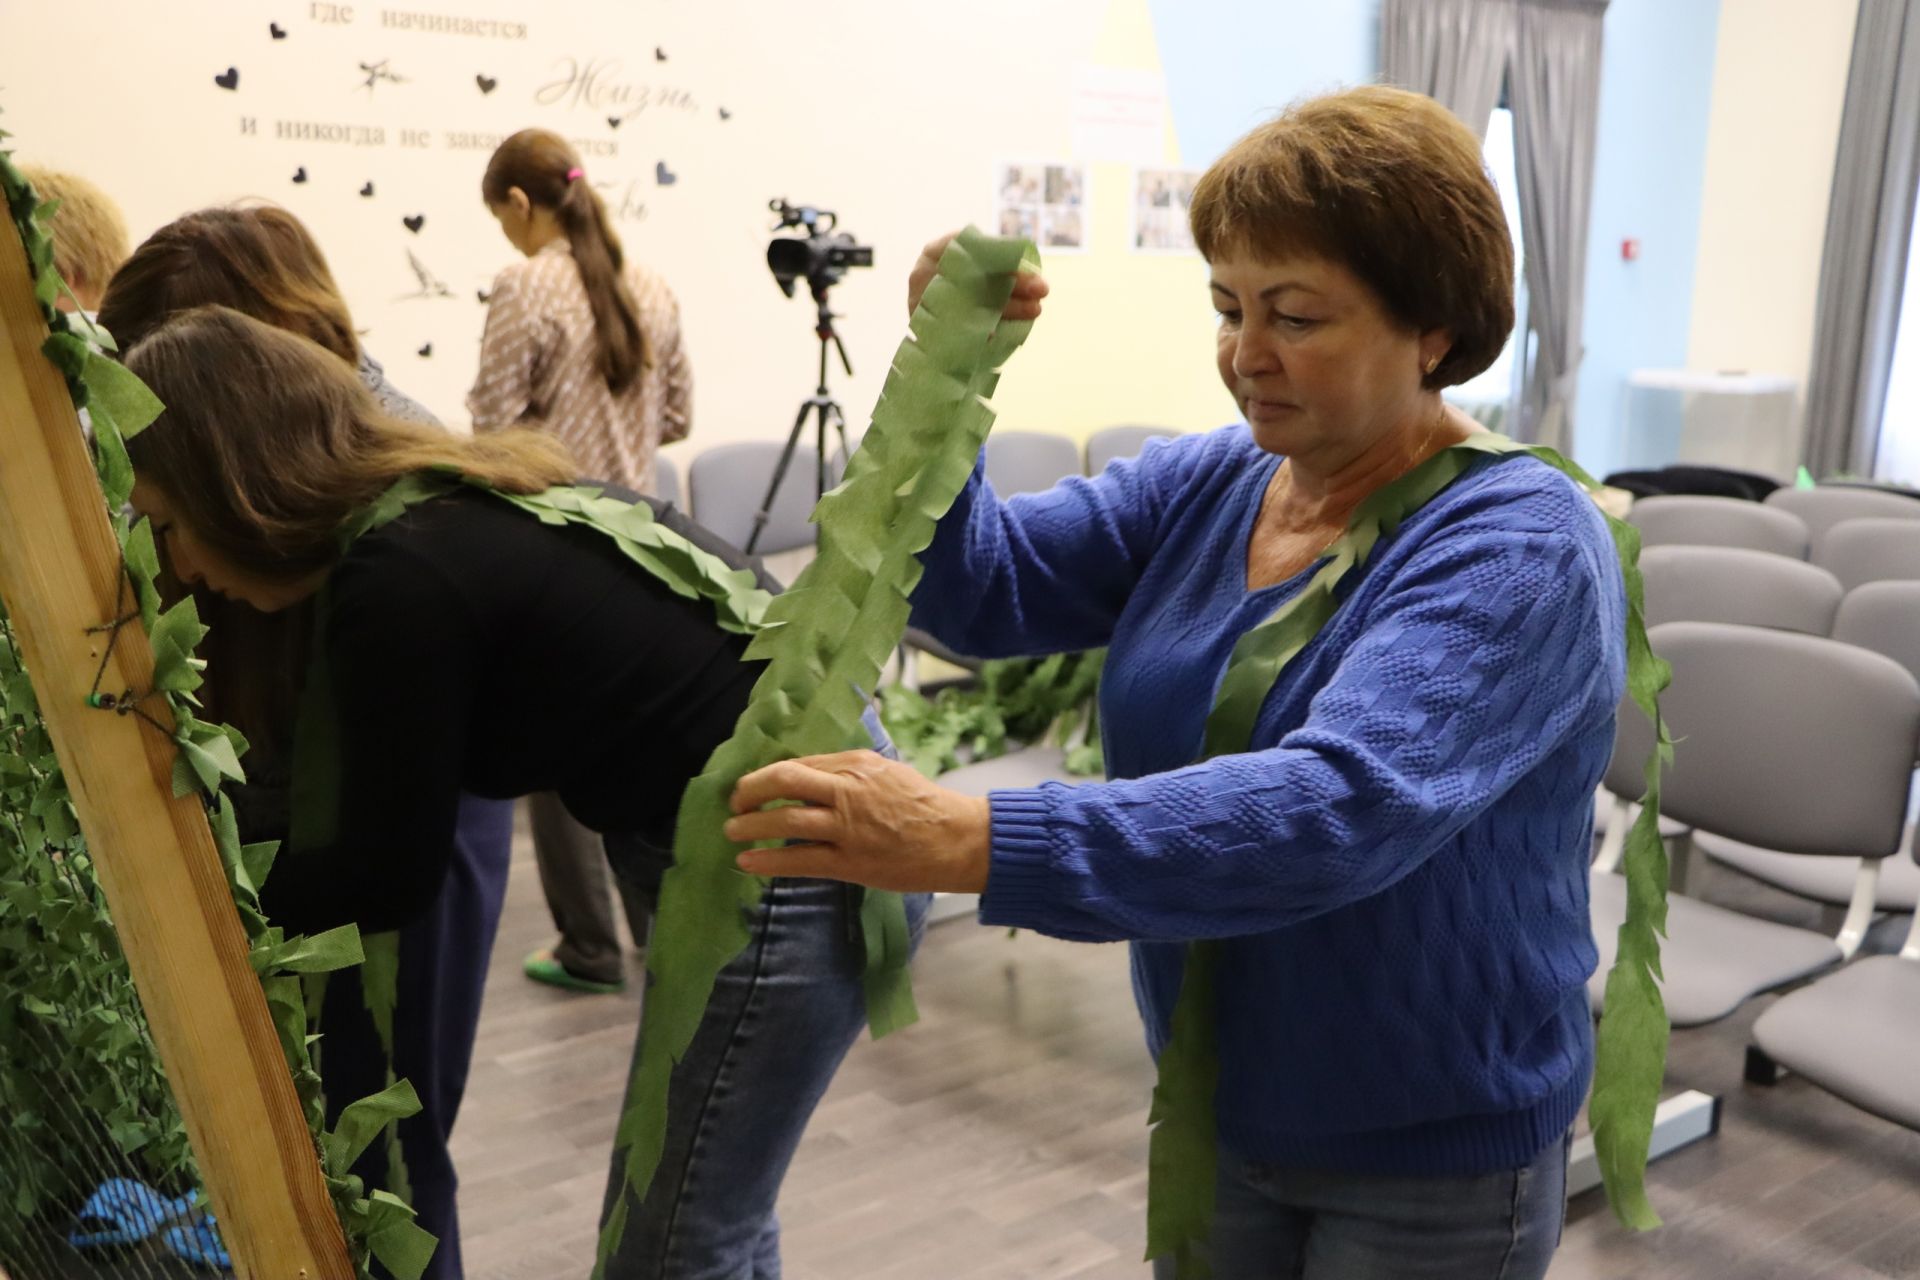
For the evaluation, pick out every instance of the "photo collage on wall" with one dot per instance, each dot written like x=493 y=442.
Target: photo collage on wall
x=1045 y=203
x=1160 y=201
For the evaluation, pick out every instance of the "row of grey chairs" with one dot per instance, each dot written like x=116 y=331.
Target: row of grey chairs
x=727 y=483
x=1754 y=589
x=1033 y=461
x=1819 y=524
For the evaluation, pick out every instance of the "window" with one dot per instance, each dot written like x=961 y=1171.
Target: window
x=1898 y=458
x=1492 y=395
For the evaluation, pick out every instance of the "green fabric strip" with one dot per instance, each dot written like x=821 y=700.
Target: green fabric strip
x=826 y=642
x=1630 y=1057
x=380 y=993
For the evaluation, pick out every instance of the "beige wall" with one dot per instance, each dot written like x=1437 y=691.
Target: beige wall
x=892 y=113
x=1780 y=81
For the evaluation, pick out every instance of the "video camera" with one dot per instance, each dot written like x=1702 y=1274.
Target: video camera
x=821 y=256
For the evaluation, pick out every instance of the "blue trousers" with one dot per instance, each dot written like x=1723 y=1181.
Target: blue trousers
x=443 y=972
x=1275 y=1223
x=782 y=1017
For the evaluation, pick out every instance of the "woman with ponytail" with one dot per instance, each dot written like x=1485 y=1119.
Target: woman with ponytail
x=579 y=340
x=584 y=344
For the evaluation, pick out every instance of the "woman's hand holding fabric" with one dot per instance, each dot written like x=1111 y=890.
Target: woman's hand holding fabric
x=1028 y=288
x=863 y=818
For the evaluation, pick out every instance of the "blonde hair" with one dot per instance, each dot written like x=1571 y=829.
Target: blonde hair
x=269 y=444
x=89 y=234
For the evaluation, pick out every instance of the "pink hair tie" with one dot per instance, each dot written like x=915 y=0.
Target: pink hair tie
x=575 y=174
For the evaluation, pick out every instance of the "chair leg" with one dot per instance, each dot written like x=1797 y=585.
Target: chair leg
x=1761 y=1069
x=1614 y=843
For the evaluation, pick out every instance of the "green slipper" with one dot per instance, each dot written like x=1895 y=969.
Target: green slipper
x=541 y=966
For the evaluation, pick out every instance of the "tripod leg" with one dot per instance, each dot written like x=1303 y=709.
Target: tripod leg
x=779 y=474
x=840 y=425
x=820 y=449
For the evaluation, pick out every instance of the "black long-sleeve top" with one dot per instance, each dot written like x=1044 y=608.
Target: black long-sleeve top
x=472 y=647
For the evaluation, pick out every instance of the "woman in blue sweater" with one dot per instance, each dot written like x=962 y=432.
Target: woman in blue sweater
x=1394 y=869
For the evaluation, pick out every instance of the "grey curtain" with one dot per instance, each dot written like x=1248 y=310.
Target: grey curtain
x=1555 y=94
x=1454 y=51
x=1864 y=266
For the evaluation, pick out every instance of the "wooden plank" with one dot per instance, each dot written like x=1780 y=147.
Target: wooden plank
x=59 y=575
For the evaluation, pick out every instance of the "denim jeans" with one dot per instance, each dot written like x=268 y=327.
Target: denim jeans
x=1288 y=1224
x=782 y=1017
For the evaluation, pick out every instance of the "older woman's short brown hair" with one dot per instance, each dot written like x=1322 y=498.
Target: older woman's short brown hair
x=1391 y=186
x=258 y=259
x=89 y=233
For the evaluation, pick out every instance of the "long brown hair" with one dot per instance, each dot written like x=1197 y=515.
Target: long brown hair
x=269 y=444
x=258 y=259
x=542 y=165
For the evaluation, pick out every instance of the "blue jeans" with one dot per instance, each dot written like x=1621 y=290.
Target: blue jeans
x=782 y=1017
x=1288 y=1224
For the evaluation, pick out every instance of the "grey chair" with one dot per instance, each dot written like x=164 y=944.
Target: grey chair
x=1110 y=443
x=1697 y=521
x=666 y=479
x=726 y=484
x=1874 y=549
x=1719 y=584
x=1852 y=1033
x=1029 y=461
x=1736 y=585
x=1883 y=617
x=1823 y=507
x=1791 y=742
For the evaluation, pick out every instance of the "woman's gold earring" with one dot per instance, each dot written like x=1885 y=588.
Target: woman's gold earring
x=1433 y=364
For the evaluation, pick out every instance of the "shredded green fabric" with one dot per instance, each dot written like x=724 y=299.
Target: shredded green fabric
x=1630 y=1057
x=1010 y=701
x=826 y=642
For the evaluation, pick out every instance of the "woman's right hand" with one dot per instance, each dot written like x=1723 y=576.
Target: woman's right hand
x=1028 y=288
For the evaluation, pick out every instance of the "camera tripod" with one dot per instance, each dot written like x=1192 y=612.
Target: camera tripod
x=826 y=413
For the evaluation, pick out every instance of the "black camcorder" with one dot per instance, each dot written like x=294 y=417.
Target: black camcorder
x=820 y=256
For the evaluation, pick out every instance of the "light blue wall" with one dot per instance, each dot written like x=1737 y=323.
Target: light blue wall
x=1231 y=63
x=1649 y=166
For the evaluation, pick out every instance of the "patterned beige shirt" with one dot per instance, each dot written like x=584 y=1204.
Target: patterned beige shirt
x=537 y=369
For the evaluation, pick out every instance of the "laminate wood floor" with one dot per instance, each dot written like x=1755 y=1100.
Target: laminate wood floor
x=1004 y=1138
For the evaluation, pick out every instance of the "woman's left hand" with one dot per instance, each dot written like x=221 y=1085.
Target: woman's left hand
x=866 y=819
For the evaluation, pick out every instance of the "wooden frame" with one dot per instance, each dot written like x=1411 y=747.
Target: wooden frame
x=60 y=574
